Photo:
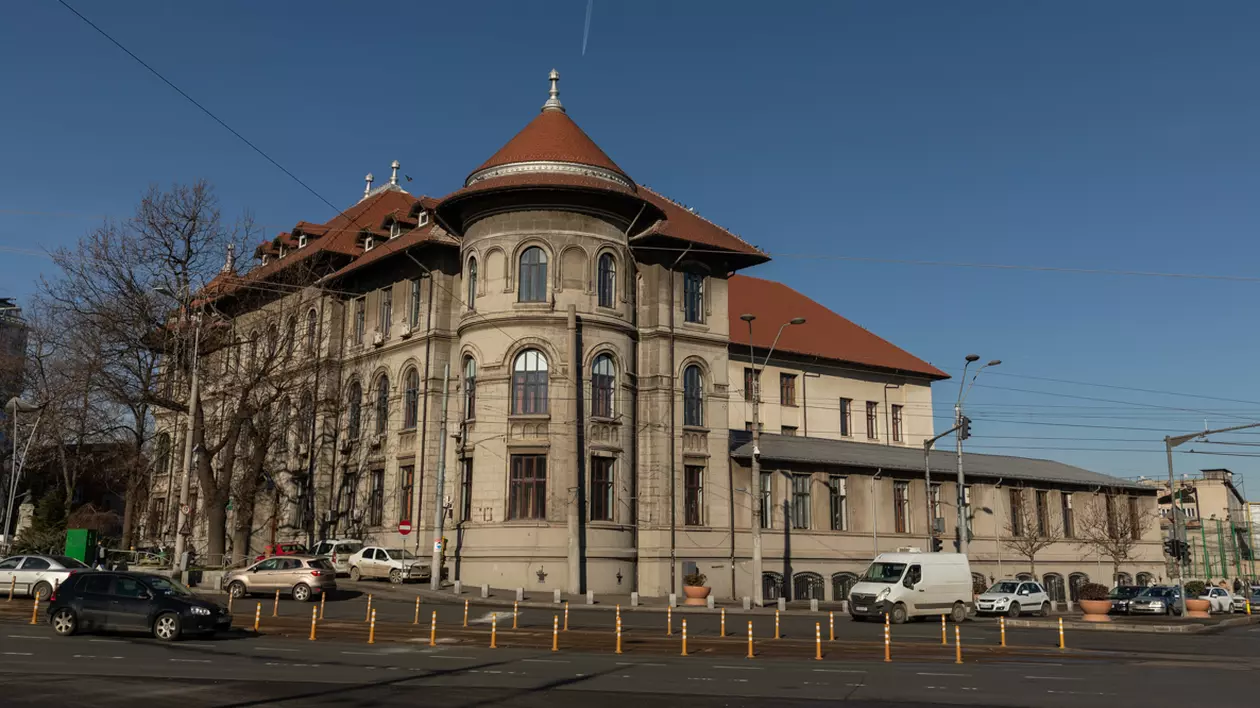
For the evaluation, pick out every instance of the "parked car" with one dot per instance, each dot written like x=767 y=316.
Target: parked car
x=301 y=577
x=1120 y=596
x=1240 y=603
x=339 y=550
x=1219 y=600
x=1012 y=598
x=37 y=574
x=397 y=564
x=1156 y=600
x=117 y=601
x=292 y=548
x=913 y=585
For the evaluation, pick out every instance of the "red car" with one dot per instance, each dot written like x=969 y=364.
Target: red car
x=282 y=549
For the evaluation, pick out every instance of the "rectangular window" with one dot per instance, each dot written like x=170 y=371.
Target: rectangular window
x=159 y=519
x=465 y=488
x=693 y=495
x=838 y=496
x=349 y=492
x=967 y=509
x=1135 y=518
x=1065 y=500
x=1017 y=512
x=376 y=503
x=302 y=503
x=693 y=297
x=767 y=508
x=751 y=379
x=1109 y=505
x=935 y=500
x=896 y=423
x=787 y=389
x=1043 y=513
x=761 y=427
x=407 y=478
x=846 y=417
x=527 y=495
x=601 y=489
x=901 y=506
x=872 y=420
x=385 y=311
x=789 y=430
x=360 y=322
x=413 y=314
x=800 y=501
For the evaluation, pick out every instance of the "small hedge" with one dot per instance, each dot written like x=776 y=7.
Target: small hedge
x=1092 y=591
x=1195 y=588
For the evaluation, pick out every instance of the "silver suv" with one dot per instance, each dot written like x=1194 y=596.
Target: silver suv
x=302 y=577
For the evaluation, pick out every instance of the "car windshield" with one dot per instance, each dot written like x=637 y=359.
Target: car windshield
x=68 y=562
x=884 y=572
x=168 y=586
x=1158 y=593
x=349 y=547
x=401 y=554
x=1124 y=592
x=321 y=563
x=1004 y=588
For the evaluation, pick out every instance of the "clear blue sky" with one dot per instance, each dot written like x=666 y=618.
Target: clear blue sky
x=1117 y=135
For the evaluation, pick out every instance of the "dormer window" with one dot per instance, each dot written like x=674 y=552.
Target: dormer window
x=395 y=230
x=422 y=219
x=282 y=252
x=265 y=259
x=368 y=243
x=302 y=241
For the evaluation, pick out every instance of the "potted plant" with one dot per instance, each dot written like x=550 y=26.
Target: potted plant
x=695 y=589
x=1196 y=607
x=1092 y=598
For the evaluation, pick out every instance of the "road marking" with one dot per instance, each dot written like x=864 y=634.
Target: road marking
x=740 y=668
x=698 y=678
x=191 y=661
x=107 y=641
x=855 y=685
x=444 y=656
x=361 y=653
x=17 y=653
x=838 y=671
x=24 y=636
x=927 y=673
x=545 y=661
x=273 y=649
x=1054 y=678
x=635 y=663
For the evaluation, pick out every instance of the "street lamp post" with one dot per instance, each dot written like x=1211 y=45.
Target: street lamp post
x=959 y=423
x=758 y=591
x=14 y=406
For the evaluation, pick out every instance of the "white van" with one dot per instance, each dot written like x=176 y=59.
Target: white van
x=913 y=585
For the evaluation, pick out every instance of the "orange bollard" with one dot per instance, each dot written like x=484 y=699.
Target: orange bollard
x=776 y=624
x=322 y=596
x=314 y=617
x=367 y=615
x=831 y=622
x=684 y=637
x=257 y=616
x=417 y=619
x=229 y=603
x=944 y=639
x=12 y=587
x=957 y=645
x=750 y=640
x=372 y=629
x=494 y=629
x=669 y=620
x=555 y=632
x=1061 y=644
x=465 y=613
x=35 y=612
x=566 y=615
x=887 y=643
x=1002 y=627
x=618 y=613
x=723 y=622
x=433 y=630
x=818 y=641
x=618 y=635
x=275 y=608
x=515 y=611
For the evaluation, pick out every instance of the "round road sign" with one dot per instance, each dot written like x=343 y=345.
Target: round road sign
x=404 y=527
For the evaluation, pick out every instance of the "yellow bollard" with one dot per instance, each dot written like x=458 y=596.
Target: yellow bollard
x=818 y=641
x=372 y=629
x=35 y=612
x=887 y=642
x=1061 y=644
x=433 y=630
x=314 y=617
x=669 y=620
x=831 y=622
x=723 y=622
x=618 y=635
x=684 y=637
x=275 y=609
x=555 y=632
x=367 y=615
x=566 y=615
x=322 y=597
x=1249 y=608
x=229 y=603
x=465 y=613
x=750 y=640
x=1002 y=630
x=618 y=613
x=494 y=629
x=776 y=624
x=957 y=645
x=944 y=640
x=515 y=611
x=417 y=619
x=12 y=587
x=257 y=616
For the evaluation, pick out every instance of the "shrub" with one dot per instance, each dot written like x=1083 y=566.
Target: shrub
x=1195 y=588
x=978 y=585
x=1092 y=591
x=695 y=580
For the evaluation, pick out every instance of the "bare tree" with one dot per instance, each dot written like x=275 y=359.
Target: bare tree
x=1112 y=527
x=1031 y=530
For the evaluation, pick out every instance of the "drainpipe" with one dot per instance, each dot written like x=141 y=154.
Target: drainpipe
x=424 y=415
x=573 y=506
x=673 y=437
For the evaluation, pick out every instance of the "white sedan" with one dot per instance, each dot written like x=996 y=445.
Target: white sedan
x=36 y=575
x=1219 y=599
x=397 y=564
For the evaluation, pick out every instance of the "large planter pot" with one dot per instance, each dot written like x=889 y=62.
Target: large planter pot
x=1095 y=610
x=1198 y=608
x=697 y=594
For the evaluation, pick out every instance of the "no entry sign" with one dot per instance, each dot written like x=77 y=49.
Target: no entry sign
x=404 y=527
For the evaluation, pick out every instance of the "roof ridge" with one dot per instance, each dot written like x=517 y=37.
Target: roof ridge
x=698 y=215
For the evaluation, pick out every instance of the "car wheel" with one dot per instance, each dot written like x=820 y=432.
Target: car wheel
x=958 y=613
x=42 y=591
x=1045 y=609
x=354 y=574
x=1014 y=610
x=237 y=589
x=301 y=592
x=396 y=576
x=64 y=622
x=898 y=614
x=166 y=627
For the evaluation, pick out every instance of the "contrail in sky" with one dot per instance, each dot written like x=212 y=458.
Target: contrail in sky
x=586 y=33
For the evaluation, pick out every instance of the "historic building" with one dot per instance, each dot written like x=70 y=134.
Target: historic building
x=573 y=354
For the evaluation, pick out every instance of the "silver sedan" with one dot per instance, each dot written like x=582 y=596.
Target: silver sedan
x=36 y=575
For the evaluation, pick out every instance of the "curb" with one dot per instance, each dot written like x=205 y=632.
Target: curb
x=1189 y=628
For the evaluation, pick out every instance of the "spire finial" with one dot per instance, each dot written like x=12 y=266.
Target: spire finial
x=368 y=189
x=393 y=178
x=553 y=103
x=229 y=264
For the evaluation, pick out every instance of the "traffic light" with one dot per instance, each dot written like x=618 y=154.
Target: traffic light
x=1171 y=549
x=964 y=428
x=957 y=548
x=937 y=544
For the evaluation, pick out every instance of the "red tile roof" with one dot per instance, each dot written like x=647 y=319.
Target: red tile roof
x=686 y=225
x=825 y=334
x=552 y=135
x=432 y=234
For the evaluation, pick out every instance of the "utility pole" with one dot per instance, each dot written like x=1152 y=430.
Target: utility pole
x=181 y=538
x=927 y=485
x=963 y=425
x=439 y=504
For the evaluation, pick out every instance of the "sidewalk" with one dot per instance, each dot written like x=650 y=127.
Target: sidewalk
x=544 y=599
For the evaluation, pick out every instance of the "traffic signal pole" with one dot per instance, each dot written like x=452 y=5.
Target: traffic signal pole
x=927 y=486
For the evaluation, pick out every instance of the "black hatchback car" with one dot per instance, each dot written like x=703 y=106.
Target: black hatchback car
x=119 y=601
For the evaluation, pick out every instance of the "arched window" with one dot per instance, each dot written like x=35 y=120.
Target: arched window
x=282 y=425
x=273 y=339
x=807 y=586
x=1029 y=577
x=354 y=407
x=382 y=404
x=306 y=418
x=1145 y=579
x=251 y=361
x=1124 y=579
x=1055 y=587
x=533 y=275
x=163 y=453
x=411 y=398
x=529 y=383
x=1075 y=581
x=311 y=322
x=607 y=281
x=693 y=396
x=771 y=585
x=470 y=388
x=603 y=383
x=979 y=583
x=290 y=335
x=472 y=283
x=841 y=584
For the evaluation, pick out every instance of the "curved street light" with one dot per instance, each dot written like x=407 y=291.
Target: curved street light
x=961 y=423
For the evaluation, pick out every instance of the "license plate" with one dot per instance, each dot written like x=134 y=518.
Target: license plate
x=861 y=608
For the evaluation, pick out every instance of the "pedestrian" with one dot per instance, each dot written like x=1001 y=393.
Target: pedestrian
x=1238 y=586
